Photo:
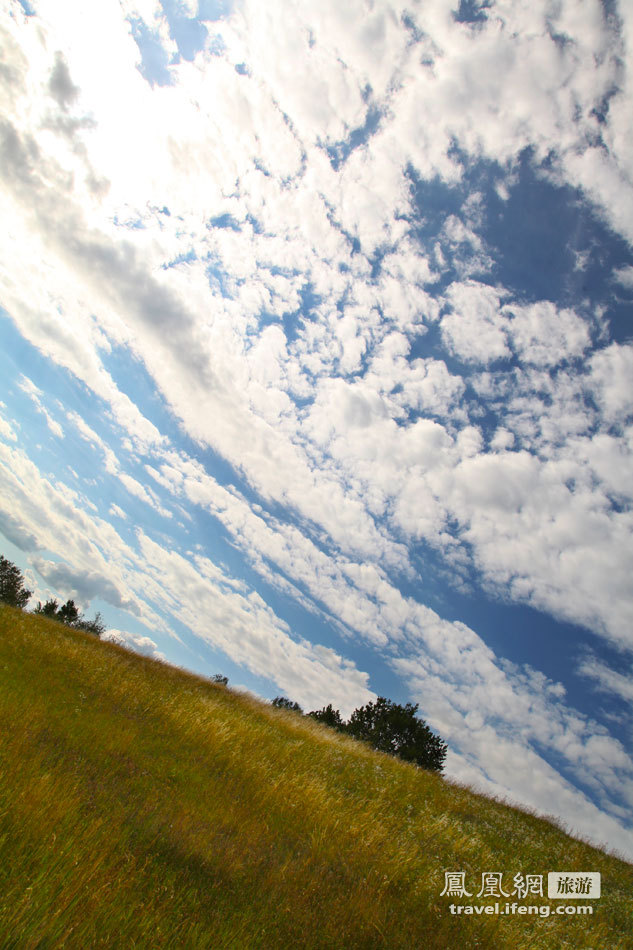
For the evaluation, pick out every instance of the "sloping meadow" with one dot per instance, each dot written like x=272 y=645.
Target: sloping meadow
x=141 y=806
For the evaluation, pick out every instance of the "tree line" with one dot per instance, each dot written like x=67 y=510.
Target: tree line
x=15 y=594
x=386 y=726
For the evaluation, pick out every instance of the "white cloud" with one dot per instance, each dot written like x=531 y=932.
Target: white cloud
x=139 y=491
x=558 y=549
x=610 y=379
x=544 y=336
x=134 y=641
x=6 y=430
x=475 y=328
x=109 y=458
x=479 y=328
x=606 y=679
x=80 y=583
x=624 y=276
x=53 y=425
x=28 y=386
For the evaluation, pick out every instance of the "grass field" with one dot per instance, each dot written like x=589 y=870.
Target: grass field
x=141 y=806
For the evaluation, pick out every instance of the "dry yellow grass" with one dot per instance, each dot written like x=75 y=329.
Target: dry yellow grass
x=141 y=806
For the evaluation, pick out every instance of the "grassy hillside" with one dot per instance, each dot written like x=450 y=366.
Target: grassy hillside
x=144 y=807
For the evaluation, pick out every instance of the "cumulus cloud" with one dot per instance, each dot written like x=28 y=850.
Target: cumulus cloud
x=475 y=328
x=60 y=84
x=544 y=336
x=610 y=381
x=13 y=529
x=134 y=641
x=6 y=430
x=624 y=276
x=82 y=584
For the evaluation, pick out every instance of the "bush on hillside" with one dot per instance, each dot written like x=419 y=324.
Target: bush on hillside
x=395 y=729
x=69 y=614
x=281 y=702
x=386 y=726
x=329 y=717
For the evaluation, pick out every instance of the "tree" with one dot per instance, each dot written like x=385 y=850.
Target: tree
x=280 y=702
x=69 y=614
x=329 y=717
x=396 y=730
x=96 y=626
x=49 y=609
x=12 y=589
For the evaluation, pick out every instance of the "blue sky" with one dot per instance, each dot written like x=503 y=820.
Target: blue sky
x=316 y=360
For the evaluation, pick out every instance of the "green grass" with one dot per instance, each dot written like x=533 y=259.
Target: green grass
x=141 y=806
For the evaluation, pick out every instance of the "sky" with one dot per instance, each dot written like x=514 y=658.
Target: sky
x=316 y=365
